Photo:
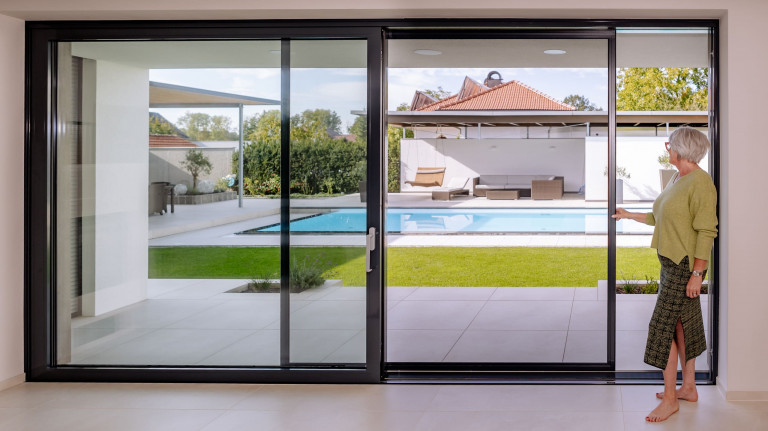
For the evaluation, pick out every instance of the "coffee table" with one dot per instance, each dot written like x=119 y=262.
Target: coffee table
x=502 y=194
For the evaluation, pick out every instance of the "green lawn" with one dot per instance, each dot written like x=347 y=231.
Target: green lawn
x=415 y=266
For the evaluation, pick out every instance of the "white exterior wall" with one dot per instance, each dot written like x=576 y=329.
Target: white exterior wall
x=638 y=156
x=12 y=198
x=118 y=186
x=475 y=157
x=165 y=164
x=743 y=345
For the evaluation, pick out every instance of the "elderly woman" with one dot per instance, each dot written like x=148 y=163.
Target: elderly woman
x=685 y=225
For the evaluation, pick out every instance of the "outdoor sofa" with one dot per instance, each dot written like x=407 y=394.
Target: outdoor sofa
x=533 y=186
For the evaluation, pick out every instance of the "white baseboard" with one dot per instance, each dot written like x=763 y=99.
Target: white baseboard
x=746 y=395
x=13 y=381
x=741 y=395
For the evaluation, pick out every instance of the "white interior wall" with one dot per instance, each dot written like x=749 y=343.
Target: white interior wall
x=119 y=189
x=475 y=157
x=742 y=237
x=12 y=198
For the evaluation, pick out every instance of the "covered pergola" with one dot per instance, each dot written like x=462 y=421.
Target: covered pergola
x=162 y=95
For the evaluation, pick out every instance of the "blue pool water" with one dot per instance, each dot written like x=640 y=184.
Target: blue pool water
x=431 y=220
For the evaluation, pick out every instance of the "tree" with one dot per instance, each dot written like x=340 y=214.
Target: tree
x=581 y=103
x=360 y=128
x=200 y=126
x=263 y=128
x=196 y=163
x=158 y=125
x=438 y=94
x=315 y=123
x=662 y=89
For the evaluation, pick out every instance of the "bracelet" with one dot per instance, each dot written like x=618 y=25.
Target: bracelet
x=697 y=273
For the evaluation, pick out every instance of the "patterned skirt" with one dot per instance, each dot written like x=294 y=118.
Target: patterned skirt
x=673 y=305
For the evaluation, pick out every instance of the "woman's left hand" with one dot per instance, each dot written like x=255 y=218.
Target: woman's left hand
x=693 y=289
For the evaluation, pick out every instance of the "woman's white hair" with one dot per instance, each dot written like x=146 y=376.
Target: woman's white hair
x=689 y=143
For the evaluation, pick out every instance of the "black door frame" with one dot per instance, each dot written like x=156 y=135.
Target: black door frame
x=40 y=199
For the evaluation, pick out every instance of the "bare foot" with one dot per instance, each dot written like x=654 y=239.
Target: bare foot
x=686 y=394
x=664 y=410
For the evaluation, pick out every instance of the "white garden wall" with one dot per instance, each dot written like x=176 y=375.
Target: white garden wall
x=475 y=157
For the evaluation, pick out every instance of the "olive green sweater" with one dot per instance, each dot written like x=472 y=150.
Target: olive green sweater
x=685 y=218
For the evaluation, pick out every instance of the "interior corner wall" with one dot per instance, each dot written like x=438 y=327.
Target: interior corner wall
x=115 y=175
x=12 y=198
x=743 y=231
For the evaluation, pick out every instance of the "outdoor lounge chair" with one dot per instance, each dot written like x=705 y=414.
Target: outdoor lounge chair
x=455 y=187
x=428 y=177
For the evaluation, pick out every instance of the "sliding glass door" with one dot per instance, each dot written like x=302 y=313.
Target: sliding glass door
x=498 y=200
x=211 y=202
x=212 y=205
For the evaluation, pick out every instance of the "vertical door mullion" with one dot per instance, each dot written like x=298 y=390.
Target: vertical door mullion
x=375 y=206
x=611 y=324
x=285 y=203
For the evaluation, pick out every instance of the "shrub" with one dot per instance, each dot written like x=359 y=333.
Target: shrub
x=627 y=284
x=261 y=282
x=307 y=273
x=318 y=165
x=651 y=286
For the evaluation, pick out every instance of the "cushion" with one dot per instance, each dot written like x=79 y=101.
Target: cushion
x=493 y=179
x=430 y=171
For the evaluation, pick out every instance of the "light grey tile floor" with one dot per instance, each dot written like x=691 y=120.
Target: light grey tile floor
x=195 y=322
x=215 y=407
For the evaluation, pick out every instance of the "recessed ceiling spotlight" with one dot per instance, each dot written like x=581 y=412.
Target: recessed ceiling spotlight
x=427 y=52
x=554 y=51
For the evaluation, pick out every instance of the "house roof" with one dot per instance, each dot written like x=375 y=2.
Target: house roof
x=510 y=96
x=169 y=141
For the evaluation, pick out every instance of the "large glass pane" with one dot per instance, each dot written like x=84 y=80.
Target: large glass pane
x=328 y=141
x=497 y=218
x=150 y=267
x=662 y=84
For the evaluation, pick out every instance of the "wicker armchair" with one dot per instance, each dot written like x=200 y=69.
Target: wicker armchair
x=547 y=189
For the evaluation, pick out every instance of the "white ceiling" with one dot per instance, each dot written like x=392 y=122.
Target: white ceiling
x=225 y=54
x=634 y=49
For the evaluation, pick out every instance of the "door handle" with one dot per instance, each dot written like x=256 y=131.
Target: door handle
x=370 y=245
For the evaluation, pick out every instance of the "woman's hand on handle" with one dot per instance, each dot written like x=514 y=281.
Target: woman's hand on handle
x=621 y=213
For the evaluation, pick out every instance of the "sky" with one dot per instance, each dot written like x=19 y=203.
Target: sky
x=344 y=90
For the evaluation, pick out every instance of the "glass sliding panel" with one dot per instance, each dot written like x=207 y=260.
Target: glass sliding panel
x=150 y=267
x=497 y=218
x=662 y=84
x=328 y=98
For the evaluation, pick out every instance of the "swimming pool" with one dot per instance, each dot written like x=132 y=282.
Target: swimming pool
x=433 y=220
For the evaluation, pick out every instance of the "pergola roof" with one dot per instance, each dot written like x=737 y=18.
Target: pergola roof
x=543 y=118
x=162 y=95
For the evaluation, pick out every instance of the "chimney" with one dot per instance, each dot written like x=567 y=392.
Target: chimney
x=490 y=81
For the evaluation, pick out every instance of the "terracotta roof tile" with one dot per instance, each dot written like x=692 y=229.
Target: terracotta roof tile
x=513 y=95
x=169 y=141
x=437 y=106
